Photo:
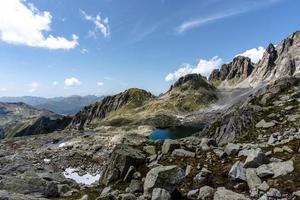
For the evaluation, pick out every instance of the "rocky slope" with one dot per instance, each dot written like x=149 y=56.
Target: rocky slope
x=19 y=119
x=138 y=107
x=127 y=100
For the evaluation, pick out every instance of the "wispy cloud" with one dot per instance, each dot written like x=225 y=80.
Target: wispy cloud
x=200 y=21
x=101 y=24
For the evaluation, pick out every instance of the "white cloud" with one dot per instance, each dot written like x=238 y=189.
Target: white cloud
x=101 y=25
x=21 y=23
x=72 y=82
x=84 y=51
x=33 y=86
x=254 y=54
x=55 y=83
x=204 y=67
x=3 y=89
x=100 y=83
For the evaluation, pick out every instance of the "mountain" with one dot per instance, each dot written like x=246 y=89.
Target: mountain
x=61 y=105
x=135 y=106
x=127 y=100
x=234 y=72
x=20 y=119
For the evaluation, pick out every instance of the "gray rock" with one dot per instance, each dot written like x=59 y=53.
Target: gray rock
x=188 y=170
x=255 y=159
x=264 y=124
x=220 y=153
x=264 y=171
x=274 y=193
x=169 y=145
x=237 y=171
x=202 y=175
x=121 y=159
x=136 y=186
x=282 y=168
x=232 y=149
x=252 y=179
x=296 y=194
x=224 y=194
x=192 y=194
x=160 y=194
x=149 y=149
x=183 y=153
x=264 y=187
x=128 y=196
x=165 y=177
x=85 y=197
x=247 y=152
x=206 y=192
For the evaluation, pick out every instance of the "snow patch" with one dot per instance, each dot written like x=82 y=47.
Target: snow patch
x=86 y=179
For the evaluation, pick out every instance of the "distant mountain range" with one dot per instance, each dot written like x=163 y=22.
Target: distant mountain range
x=60 y=105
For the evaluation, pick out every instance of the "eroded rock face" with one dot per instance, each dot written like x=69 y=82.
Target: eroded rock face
x=122 y=158
x=101 y=109
x=165 y=177
x=239 y=69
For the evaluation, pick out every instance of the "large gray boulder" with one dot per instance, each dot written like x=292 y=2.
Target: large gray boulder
x=122 y=158
x=224 y=194
x=275 y=169
x=237 y=171
x=165 y=177
x=232 y=149
x=206 y=192
x=253 y=180
x=255 y=159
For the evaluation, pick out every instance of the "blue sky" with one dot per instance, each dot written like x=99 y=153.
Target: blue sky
x=59 y=48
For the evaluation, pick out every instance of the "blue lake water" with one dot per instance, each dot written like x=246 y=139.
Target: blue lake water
x=172 y=133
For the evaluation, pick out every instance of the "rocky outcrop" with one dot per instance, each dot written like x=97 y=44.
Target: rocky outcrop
x=234 y=72
x=96 y=112
x=279 y=61
x=122 y=158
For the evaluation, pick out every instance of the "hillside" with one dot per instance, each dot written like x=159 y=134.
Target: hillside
x=20 y=119
x=61 y=105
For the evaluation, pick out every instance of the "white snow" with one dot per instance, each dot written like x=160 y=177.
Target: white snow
x=86 y=179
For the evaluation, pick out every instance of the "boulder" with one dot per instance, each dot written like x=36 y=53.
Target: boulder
x=192 y=194
x=282 y=168
x=160 y=194
x=252 y=179
x=183 y=153
x=165 y=177
x=264 y=171
x=224 y=194
x=237 y=171
x=264 y=124
x=232 y=149
x=255 y=159
x=121 y=159
x=206 y=192
x=136 y=186
x=220 y=153
x=202 y=175
x=149 y=149
x=169 y=145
